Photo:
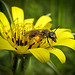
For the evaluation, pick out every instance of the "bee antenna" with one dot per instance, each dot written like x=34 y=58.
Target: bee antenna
x=56 y=28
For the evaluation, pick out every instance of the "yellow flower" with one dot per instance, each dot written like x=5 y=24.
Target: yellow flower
x=12 y=36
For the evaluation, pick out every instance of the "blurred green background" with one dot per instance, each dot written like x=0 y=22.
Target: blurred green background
x=63 y=15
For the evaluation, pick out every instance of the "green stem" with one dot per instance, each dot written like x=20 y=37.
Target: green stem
x=15 y=61
x=20 y=64
x=53 y=67
x=29 y=67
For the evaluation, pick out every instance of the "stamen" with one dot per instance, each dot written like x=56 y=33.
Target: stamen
x=12 y=40
x=21 y=44
x=16 y=48
x=38 y=46
x=25 y=43
x=8 y=37
x=30 y=46
x=17 y=42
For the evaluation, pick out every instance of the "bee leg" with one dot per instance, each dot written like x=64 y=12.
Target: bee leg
x=49 y=43
x=39 y=43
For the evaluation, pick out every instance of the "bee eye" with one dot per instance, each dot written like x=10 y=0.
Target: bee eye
x=52 y=35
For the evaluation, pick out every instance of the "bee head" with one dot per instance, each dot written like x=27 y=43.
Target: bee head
x=48 y=34
x=52 y=35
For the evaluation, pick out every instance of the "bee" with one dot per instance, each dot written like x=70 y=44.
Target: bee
x=32 y=37
x=39 y=34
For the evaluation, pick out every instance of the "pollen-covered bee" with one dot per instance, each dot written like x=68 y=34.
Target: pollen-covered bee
x=38 y=35
x=33 y=37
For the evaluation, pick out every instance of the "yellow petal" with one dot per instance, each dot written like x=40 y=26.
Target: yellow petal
x=63 y=34
x=47 y=26
x=60 y=30
x=18 y=15
x=4 y=23
x=58 y=53
x=4 y=45
x=31 y=20
x=41 y=54
x=28 y=24
x=42 y=22
x=66 y=42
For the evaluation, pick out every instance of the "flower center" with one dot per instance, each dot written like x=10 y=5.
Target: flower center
x=19 y=38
